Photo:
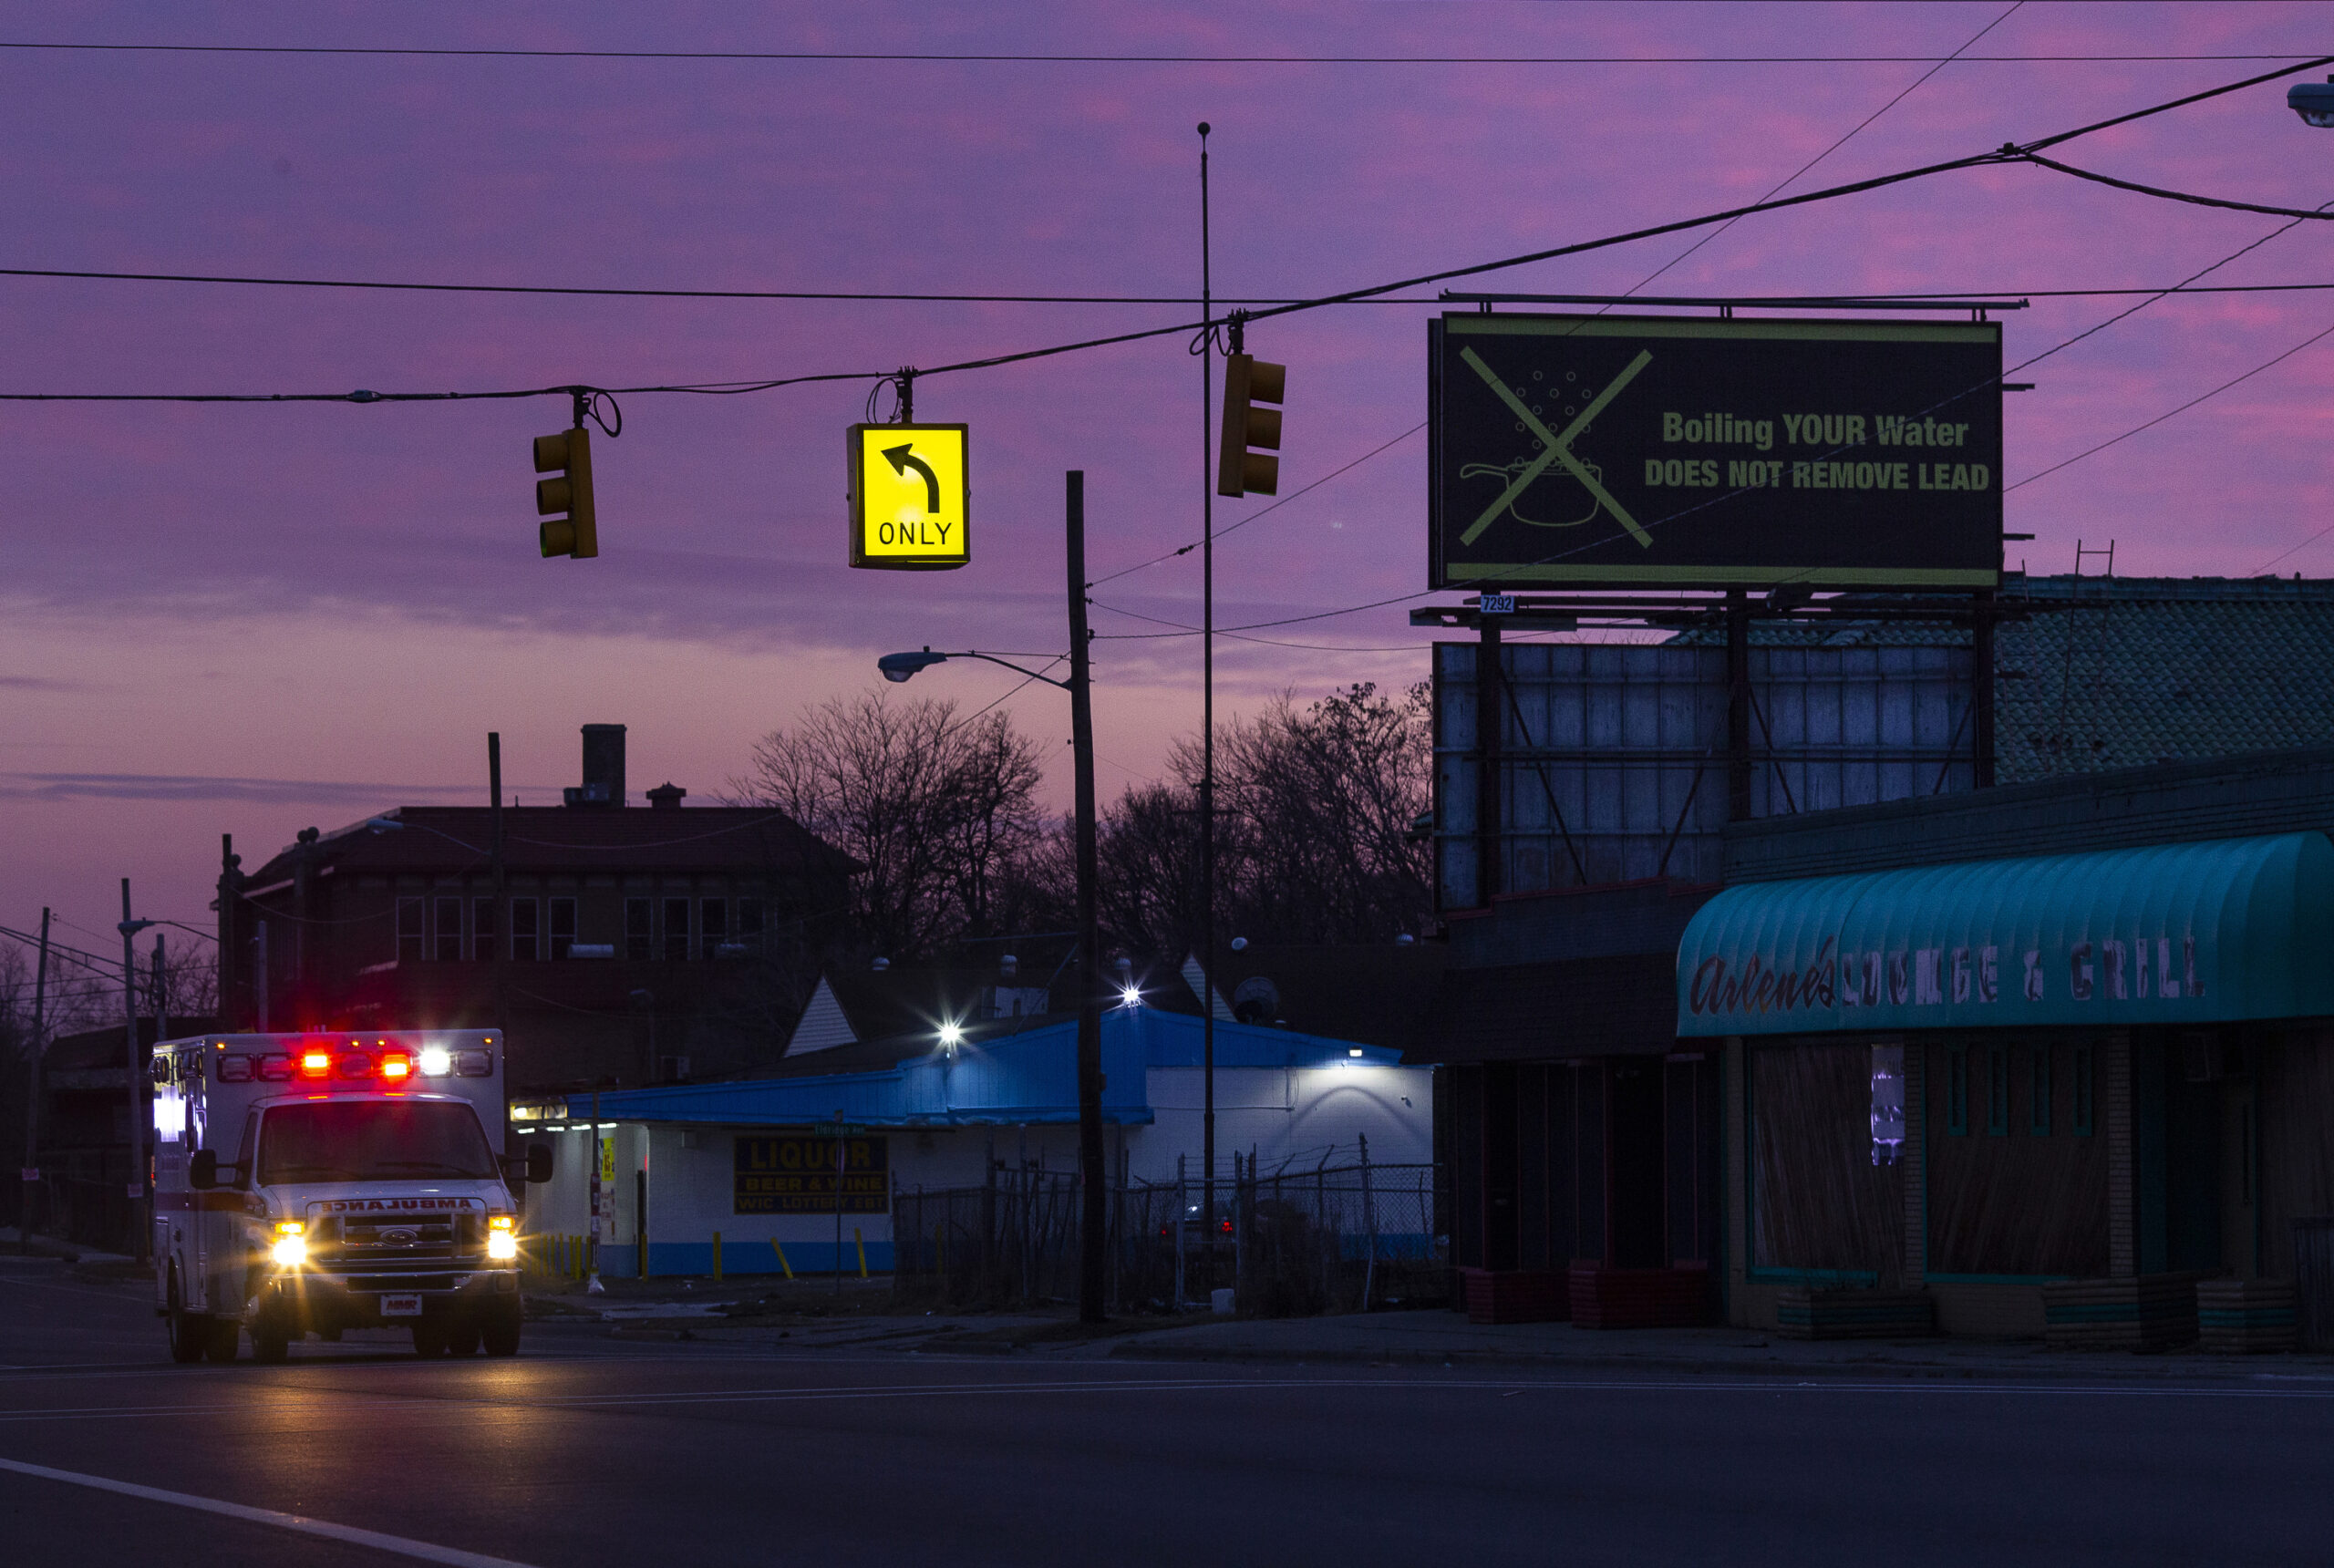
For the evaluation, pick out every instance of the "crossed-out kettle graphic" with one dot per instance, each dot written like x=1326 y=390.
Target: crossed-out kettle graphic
x=1554 y=449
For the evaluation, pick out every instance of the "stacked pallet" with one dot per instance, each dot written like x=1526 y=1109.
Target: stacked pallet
x=2145 y=1312
x=1515 y=1295
x=1607 y=1297
x=1807 y=1312
x=2241 y=1316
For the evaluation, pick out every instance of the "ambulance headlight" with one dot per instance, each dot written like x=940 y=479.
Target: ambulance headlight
x=437 y=1062
x=502 y=1246
x=291 y=1249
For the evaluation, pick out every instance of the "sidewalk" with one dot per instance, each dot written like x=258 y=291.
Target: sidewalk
x=1443 y=1337
x=808 y=1316
x=50 y=1247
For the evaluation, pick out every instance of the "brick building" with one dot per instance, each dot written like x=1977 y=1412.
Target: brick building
x=637 y=944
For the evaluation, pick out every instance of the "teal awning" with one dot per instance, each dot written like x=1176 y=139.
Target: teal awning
x=2173 y=934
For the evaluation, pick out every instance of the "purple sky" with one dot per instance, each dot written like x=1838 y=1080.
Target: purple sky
x=252 y=619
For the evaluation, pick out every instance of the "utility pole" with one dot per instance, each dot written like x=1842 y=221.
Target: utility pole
x=30 y=1173
x=1094 y=1239
x=1207 y=721
x=260 y=978
x=136 y=1187
x=162 y=991
x=502 y=936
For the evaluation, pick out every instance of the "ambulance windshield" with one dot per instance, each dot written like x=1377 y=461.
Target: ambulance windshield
x=373 y=1140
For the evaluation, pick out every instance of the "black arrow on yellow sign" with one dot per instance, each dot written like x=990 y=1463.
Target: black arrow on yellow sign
x=903 y=457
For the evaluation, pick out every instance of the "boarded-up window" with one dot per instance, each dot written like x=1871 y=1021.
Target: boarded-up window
x=409 y=940
x=1818 y=1201
x=2030 y=1199
x=2297 y=1140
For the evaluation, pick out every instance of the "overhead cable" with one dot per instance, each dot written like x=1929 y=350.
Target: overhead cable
x=2007 y=153
x=936 y=57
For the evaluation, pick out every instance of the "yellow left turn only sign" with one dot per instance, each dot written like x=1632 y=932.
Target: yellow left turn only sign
x=910 y=500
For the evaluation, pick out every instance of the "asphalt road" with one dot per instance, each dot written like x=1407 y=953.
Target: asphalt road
x=587 y=1452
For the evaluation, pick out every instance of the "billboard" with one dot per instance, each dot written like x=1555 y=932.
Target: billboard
x=795 y=1173
x=1670 y=452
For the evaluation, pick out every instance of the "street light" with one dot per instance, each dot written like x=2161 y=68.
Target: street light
x=2314 y=101
x=899 y=667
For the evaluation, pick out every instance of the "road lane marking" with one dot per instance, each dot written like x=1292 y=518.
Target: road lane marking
x=330 y=1401
x=422 y=1551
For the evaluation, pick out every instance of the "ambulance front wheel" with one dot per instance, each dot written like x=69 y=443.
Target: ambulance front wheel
x=499 y=1329
x=189 y=1331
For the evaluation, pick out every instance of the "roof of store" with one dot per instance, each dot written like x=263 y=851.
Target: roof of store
x=1020 y=1076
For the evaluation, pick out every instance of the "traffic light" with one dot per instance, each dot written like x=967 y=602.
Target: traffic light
x=569 y=455
x=1247 y=383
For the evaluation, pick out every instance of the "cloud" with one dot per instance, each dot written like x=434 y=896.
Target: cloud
x=197 y=787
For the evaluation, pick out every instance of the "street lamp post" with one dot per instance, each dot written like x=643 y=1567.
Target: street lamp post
x=136 y=1186
x=1092 y=1233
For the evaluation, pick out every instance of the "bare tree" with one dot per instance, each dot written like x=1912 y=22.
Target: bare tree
x=938 y=810
x=1326 y=796
x=1315 y=807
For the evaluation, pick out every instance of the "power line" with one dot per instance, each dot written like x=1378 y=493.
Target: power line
x=1649 y=277
x=2009 y=152
x=2183 y=407
x=1033 y=57
x=855 y=296
x=1835 y=147
x=1252 y=517
x=907 y=297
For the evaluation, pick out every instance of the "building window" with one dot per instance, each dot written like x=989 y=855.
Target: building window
x=450 y=929
x=2038 y=1119
x=639 y=943
x=749 y=924
x=2082 y=1115
x=677 y=930
x=482 y=931
x=563 y=927
x=523 y=913
x=1997 y=1090
x=1956 y=1089
x=410 y=949
x=713 y=926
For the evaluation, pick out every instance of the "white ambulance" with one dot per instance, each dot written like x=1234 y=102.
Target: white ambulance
x=311 y=1183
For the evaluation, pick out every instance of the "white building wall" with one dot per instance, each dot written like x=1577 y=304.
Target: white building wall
x=1288 y=1118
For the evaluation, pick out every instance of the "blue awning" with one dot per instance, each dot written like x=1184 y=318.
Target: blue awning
x=2173 y=934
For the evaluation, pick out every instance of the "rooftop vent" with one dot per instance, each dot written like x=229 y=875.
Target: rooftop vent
x=665 y=797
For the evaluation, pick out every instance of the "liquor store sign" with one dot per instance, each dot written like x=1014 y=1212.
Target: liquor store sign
x=800 y=1173
x=1672 y=451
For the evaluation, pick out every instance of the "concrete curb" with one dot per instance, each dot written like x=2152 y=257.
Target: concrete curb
x=2085 y=1369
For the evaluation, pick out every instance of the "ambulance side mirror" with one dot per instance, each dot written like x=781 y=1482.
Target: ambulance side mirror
x=539 y=1163
x=202 y=1171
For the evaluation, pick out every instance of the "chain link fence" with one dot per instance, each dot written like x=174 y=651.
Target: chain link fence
x=1343 y=1237
x=96 y=1214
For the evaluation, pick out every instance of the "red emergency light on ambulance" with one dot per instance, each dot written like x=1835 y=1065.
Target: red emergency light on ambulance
x=310 y=1183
